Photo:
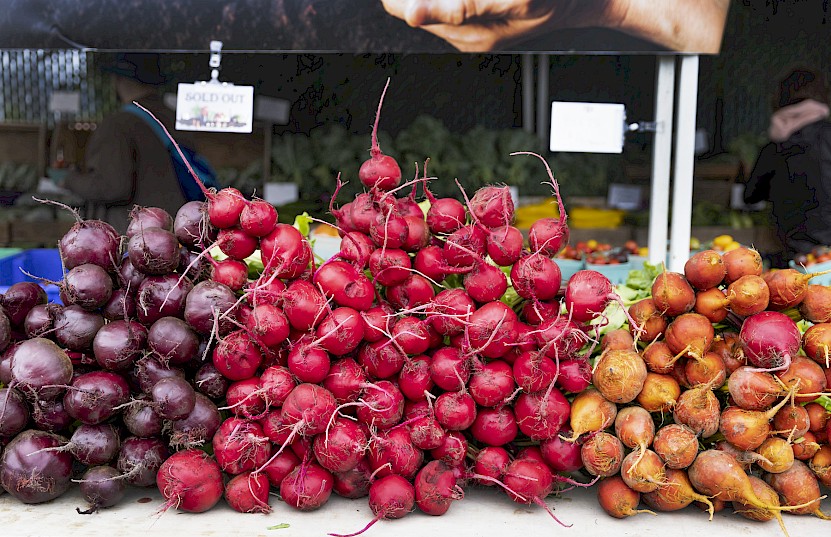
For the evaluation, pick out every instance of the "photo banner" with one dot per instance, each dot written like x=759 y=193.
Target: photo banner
x=368 y=26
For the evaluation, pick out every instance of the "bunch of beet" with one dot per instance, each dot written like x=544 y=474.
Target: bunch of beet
x=712 y=397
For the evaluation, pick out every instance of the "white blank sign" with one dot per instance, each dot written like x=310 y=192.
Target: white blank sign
x=587 y=127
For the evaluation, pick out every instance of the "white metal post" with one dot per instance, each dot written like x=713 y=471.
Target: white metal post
x=527 y=64
x=661 y=159
x=679 y=245
x=543 y=102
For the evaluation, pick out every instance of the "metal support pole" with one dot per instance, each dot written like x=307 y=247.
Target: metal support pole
x=679 y=245
x=543 y=102
x=527 y=64
x=661 y=160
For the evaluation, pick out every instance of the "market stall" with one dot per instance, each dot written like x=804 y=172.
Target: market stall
x=426 y=353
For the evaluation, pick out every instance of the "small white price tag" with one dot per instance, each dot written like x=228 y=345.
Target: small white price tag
x=65 y=102
x=587 y=127
x=214 y=107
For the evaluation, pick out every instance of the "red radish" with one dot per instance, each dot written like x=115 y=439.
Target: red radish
x=354 y=483
x=493 y=206
x=190 y=481
x=230 y=272
x=414 y=379
x=304 y=305
x=494 y=426
x=355 y=248
x=549 y=235
x=389 y=266
x=390 y=497
x=450 y=310
x=362 y=212
x=560 y=454
x=307 y=487
x=740 y=262
x=246 y=399
x=771 y=339
x=383 y=405
x=647 y=317
x=268 y=324
x=418 y=234
x=816 y=306
x=426 y=433
x=453 y=450
x=236 y=243
x=225 y=207
x=379 y=171
x=676 y=444
x=388 y=229
x=240 y=445
x=529 y=481
x=534 y=372
x=492 y=384
x=411 y=334
x=449 y=368
x=413 y=292
x=698 y=409
x=541 y=415
x=391 y=451
x=248 y=493
x=341 y=447
x=285 y=252
x=455 y=411
x=619 y=375
x=492 y=329
x=491 y=462
x=237 y=356
x=617 y=499
x=465 y=246
x=504 y=245
x=485 y=283
x=672 y=294
x=258 y=218
x=281 y=466
x=340 y=332
x=436 y=488
x=536 y=277
x=705 y=270
x=345 y=380
x=382 y=359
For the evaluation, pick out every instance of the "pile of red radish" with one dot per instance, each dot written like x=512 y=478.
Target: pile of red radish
x=436 y=350
x=718 y=398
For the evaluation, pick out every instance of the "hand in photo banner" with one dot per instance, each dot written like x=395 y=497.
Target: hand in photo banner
x=486 y=25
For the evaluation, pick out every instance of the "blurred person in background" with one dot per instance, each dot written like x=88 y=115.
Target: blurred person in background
x=127 y=164
x=793 y=171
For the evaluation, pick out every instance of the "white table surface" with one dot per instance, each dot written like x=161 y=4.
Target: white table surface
x=482 y=512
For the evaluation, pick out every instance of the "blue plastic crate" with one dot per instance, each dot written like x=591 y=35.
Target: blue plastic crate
x=617 y=274
x=39 y=262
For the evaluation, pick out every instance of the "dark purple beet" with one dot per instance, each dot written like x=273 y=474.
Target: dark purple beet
x=90 y=241
x=205 y=298
x=140 y=458
x=149 y=370
x=197 y=427
x=50 y=415
x=75 y=327
x=154 y=251
x=141 y=419
x=31 y=472
x=41 y=368
x=6 y=363
x=196 y=267
x=88 y=286
x=5 y=330
x=19 y=298
x=190 y=225
x=121 y=303
x=129 y=277
x=94 y=396
x=95 y=444
x=40 y=320
x=118 y=344
x=174 y=397
x=161 y=296
x=142 y=218
x=211 y=382
x=101 y=487
x=14 y=413
x=173 y=341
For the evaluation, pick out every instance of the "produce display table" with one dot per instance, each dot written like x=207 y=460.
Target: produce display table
x=481 y=513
